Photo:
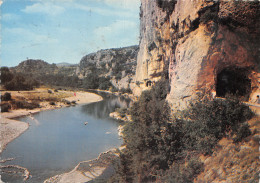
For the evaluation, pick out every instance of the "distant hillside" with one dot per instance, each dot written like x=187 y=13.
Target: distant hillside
x=95 y=70
x=119 y=64
x=35 y=67
x=40 y=67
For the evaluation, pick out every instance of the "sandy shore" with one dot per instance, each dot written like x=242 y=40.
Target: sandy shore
x=11 y=129
x=88 y=170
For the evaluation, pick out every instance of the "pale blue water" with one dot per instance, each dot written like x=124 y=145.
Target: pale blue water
x=57 y=140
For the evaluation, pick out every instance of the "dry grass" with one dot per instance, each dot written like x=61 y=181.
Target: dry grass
x=234 y=162
x=40 y=95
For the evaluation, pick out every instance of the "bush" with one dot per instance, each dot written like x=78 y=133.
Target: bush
x=209 y=15
x=125 y=90
x=5 y=107
x=22 y=104
x=157 y=143
x=242 y=133
x=6 y=75
x=147 y=138
x=114 y=89
x=122 y=112
x=19 y=82
x=67 y=102
x=93 y=81
x=182 y=173
x=52 y=103
x=6 y=97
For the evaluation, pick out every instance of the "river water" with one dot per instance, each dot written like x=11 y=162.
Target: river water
x=57 y=140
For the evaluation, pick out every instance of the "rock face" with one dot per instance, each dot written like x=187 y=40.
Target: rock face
x=119 y=64
x=200 y=46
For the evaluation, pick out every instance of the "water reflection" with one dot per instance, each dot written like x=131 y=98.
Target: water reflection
x=101 y=110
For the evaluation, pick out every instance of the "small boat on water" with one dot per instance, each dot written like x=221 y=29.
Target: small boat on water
x=85 y=123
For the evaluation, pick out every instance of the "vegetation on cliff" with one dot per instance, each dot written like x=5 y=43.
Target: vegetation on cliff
x=164 y=147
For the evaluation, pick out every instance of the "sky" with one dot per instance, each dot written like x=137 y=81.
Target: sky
x=65 y=30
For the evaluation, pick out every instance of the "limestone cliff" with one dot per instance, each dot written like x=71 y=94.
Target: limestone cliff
x=200 y=46
x=118 y=64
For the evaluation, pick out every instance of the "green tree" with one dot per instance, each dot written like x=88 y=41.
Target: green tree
x=6 y=75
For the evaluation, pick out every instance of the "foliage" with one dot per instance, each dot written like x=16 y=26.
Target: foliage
x=20 y=82
x=125 y=90
x=93 y=81
x=13 y=81
x=209 y=121
x=209 y=14
x=166 y=5
x=145 y=137
x=59 y=80
x=22 y=104
x=6 y=75
x=5 y=107
x=6 y=97
x=52 y=103
x=163 y=148
x=122 y=112
x=114 y=89
x=182 y=173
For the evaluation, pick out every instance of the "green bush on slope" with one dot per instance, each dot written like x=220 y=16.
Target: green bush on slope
x=160 y=147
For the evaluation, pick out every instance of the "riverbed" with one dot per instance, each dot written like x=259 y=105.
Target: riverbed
x=57 y=140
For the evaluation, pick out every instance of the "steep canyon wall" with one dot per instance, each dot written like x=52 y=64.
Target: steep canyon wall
x=200 y=46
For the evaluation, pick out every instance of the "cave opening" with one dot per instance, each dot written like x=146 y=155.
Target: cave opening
x=233 y=81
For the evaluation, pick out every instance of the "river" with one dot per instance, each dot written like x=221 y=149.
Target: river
x=57 y=140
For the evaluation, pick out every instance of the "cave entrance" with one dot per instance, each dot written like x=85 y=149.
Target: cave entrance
x=234 y=82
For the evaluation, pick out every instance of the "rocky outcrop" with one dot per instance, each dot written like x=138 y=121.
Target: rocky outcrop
x=39 y=67
x=118 y=64
x=200 y=46
x=35 y=66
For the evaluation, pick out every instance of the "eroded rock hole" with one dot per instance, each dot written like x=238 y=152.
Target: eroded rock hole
x=234 y=82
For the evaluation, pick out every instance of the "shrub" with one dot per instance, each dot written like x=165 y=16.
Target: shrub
x=125 y=90
x=19 y=82
x=209 y=121
x=118 y=76
x=145 y=137
x=209 y=15
x=67 y=102
x=157 y=143
x=182 y=173
x=6 y=75
x=22 y=104
x=93 y=81
x=104 y=83
x=242 y=133
x=5 y=107
x=114 y=89
x=52 y=103
x=122 y=112
x=6 y=97
x=166 y=5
